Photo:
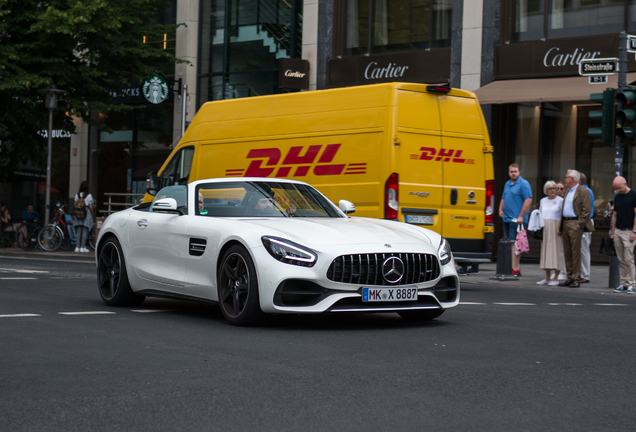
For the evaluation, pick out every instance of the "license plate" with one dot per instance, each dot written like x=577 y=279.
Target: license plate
x=420 y=220
x=388 y=294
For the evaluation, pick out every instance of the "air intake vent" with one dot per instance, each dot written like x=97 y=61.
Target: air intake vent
x=197 y=246
x=368 y=269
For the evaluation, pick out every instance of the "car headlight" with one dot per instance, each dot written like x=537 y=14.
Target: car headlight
x=444 y=252
x=289 y=252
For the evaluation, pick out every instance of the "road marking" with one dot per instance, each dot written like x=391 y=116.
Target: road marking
x=18 y=278
x=472 y=303
x=610 y=304
x=18 y=315
x=22 y=271
x=516 y=304
x=565 y=304
x=151 y=310
x=87 y=313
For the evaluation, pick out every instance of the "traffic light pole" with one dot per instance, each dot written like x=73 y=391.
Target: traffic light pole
x=622 y=85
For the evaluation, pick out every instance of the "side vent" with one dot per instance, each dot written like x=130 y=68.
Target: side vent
x=197 y=246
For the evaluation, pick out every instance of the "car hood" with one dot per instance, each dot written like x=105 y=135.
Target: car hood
x=338 y=231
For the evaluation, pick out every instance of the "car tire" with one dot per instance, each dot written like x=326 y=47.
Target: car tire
x=237 y=286
x=112 y=278
x=421 y=315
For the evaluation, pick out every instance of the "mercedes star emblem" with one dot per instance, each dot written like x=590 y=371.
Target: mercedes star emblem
x=393 y=269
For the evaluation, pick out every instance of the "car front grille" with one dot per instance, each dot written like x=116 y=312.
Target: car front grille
x=366 y=269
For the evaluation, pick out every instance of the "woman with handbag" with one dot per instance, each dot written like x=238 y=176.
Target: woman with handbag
x=552 y=257
x=83 y=217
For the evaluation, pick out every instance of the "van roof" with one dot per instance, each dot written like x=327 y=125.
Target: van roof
x=368 y=96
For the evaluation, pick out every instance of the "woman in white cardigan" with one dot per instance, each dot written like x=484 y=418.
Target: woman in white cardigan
x=552 y=257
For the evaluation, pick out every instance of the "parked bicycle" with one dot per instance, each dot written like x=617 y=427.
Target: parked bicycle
x=60 y=233
x=27 y=234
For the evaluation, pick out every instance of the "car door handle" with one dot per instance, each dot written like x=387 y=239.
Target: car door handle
x=142 y=223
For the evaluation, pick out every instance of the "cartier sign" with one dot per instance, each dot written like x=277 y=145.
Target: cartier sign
x=553 y=57
x=411 y=66
x=293 y=74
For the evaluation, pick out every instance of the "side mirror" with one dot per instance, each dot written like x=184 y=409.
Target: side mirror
x=167 y=205
x=152 y=183
x=346 y=207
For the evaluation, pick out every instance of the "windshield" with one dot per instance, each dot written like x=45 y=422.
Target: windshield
x=261 y=199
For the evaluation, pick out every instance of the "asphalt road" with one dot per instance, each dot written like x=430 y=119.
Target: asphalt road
x=506 y=359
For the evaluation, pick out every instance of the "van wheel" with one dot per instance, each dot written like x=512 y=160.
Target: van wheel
x=238 y=288
x=112 y=279
x=421 y=315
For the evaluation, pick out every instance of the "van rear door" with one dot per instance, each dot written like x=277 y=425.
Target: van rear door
x=463 y=172
x=420 y=167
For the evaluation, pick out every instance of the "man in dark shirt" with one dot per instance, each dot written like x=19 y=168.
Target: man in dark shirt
x=624 y=233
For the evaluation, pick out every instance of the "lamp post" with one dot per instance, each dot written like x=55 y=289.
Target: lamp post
x=51 y=105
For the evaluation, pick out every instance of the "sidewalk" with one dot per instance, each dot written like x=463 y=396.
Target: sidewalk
x=531 y=274
x=16 y=252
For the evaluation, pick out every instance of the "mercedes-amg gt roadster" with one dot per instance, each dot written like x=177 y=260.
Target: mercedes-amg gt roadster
x=260 y=246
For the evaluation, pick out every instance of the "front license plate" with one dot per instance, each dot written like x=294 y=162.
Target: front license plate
x=388 y=294
x=420 y=220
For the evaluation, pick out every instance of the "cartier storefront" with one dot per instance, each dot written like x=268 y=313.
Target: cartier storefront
x=540 y=117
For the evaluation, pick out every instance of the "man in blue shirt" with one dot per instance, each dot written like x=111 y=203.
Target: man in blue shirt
x=586 y=258
x=513 y=208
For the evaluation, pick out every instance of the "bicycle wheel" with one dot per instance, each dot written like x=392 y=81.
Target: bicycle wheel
x=92 y=238
x=50 y=238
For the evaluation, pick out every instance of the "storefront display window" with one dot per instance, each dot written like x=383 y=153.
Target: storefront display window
x=396 y=25
x=241 y=42
x=537 y=19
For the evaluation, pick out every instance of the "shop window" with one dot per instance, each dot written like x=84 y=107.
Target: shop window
x=537 y=19
x=377 y=26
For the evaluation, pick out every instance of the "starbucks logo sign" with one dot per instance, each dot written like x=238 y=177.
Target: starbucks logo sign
x=155 y=89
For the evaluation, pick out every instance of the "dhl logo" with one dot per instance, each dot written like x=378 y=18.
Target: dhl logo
x=266 y=161
x=430 y=153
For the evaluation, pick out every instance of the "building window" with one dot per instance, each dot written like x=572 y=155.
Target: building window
x=551 y=19
x=241 y=42
x=377 y=26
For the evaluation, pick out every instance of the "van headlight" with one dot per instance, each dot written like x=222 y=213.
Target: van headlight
x=289 y=252
x=444 y=252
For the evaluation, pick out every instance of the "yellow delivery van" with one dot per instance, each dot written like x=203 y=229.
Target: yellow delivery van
x=412 y=152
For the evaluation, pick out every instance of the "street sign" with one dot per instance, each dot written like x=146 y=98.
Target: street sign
x=598 y=66
x=631 y=44
x=597 y=79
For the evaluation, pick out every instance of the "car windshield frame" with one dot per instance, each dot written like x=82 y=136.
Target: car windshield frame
x=261 y=199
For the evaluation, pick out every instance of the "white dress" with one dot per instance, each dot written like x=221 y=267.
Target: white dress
x=552 y=257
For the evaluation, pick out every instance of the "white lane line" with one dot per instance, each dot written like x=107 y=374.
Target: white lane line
x=17 y=278
x=516 y=304
x=22 y=271
x=565 y=304
x=151 y=310
x=472 y=303
x=610 y=304
x=87 y=313
x=19 y=315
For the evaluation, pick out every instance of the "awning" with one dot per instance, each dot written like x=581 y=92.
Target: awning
x=568 y=89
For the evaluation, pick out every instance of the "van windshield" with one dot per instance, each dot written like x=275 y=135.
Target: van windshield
x=262 y=199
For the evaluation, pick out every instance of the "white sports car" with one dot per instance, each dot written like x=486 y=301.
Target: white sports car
x=258 y=246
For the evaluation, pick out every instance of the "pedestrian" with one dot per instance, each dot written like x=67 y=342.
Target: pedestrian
x=574 y=221
x=586 y=257
x=562 y=275
x=560 y=189
x=552 y=257
x=5 y=218
x=624 y=233
x=83 y=224
x=464 y=270
x=513 y=208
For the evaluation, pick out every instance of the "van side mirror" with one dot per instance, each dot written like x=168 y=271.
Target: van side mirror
x=152 y=183
x=165 y=205
x=346 y=207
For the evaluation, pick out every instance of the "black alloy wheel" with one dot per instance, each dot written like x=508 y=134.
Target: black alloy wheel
x=238 y=288
x=112 y=279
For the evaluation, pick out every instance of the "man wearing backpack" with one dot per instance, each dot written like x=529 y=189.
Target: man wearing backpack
x=83 y=217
